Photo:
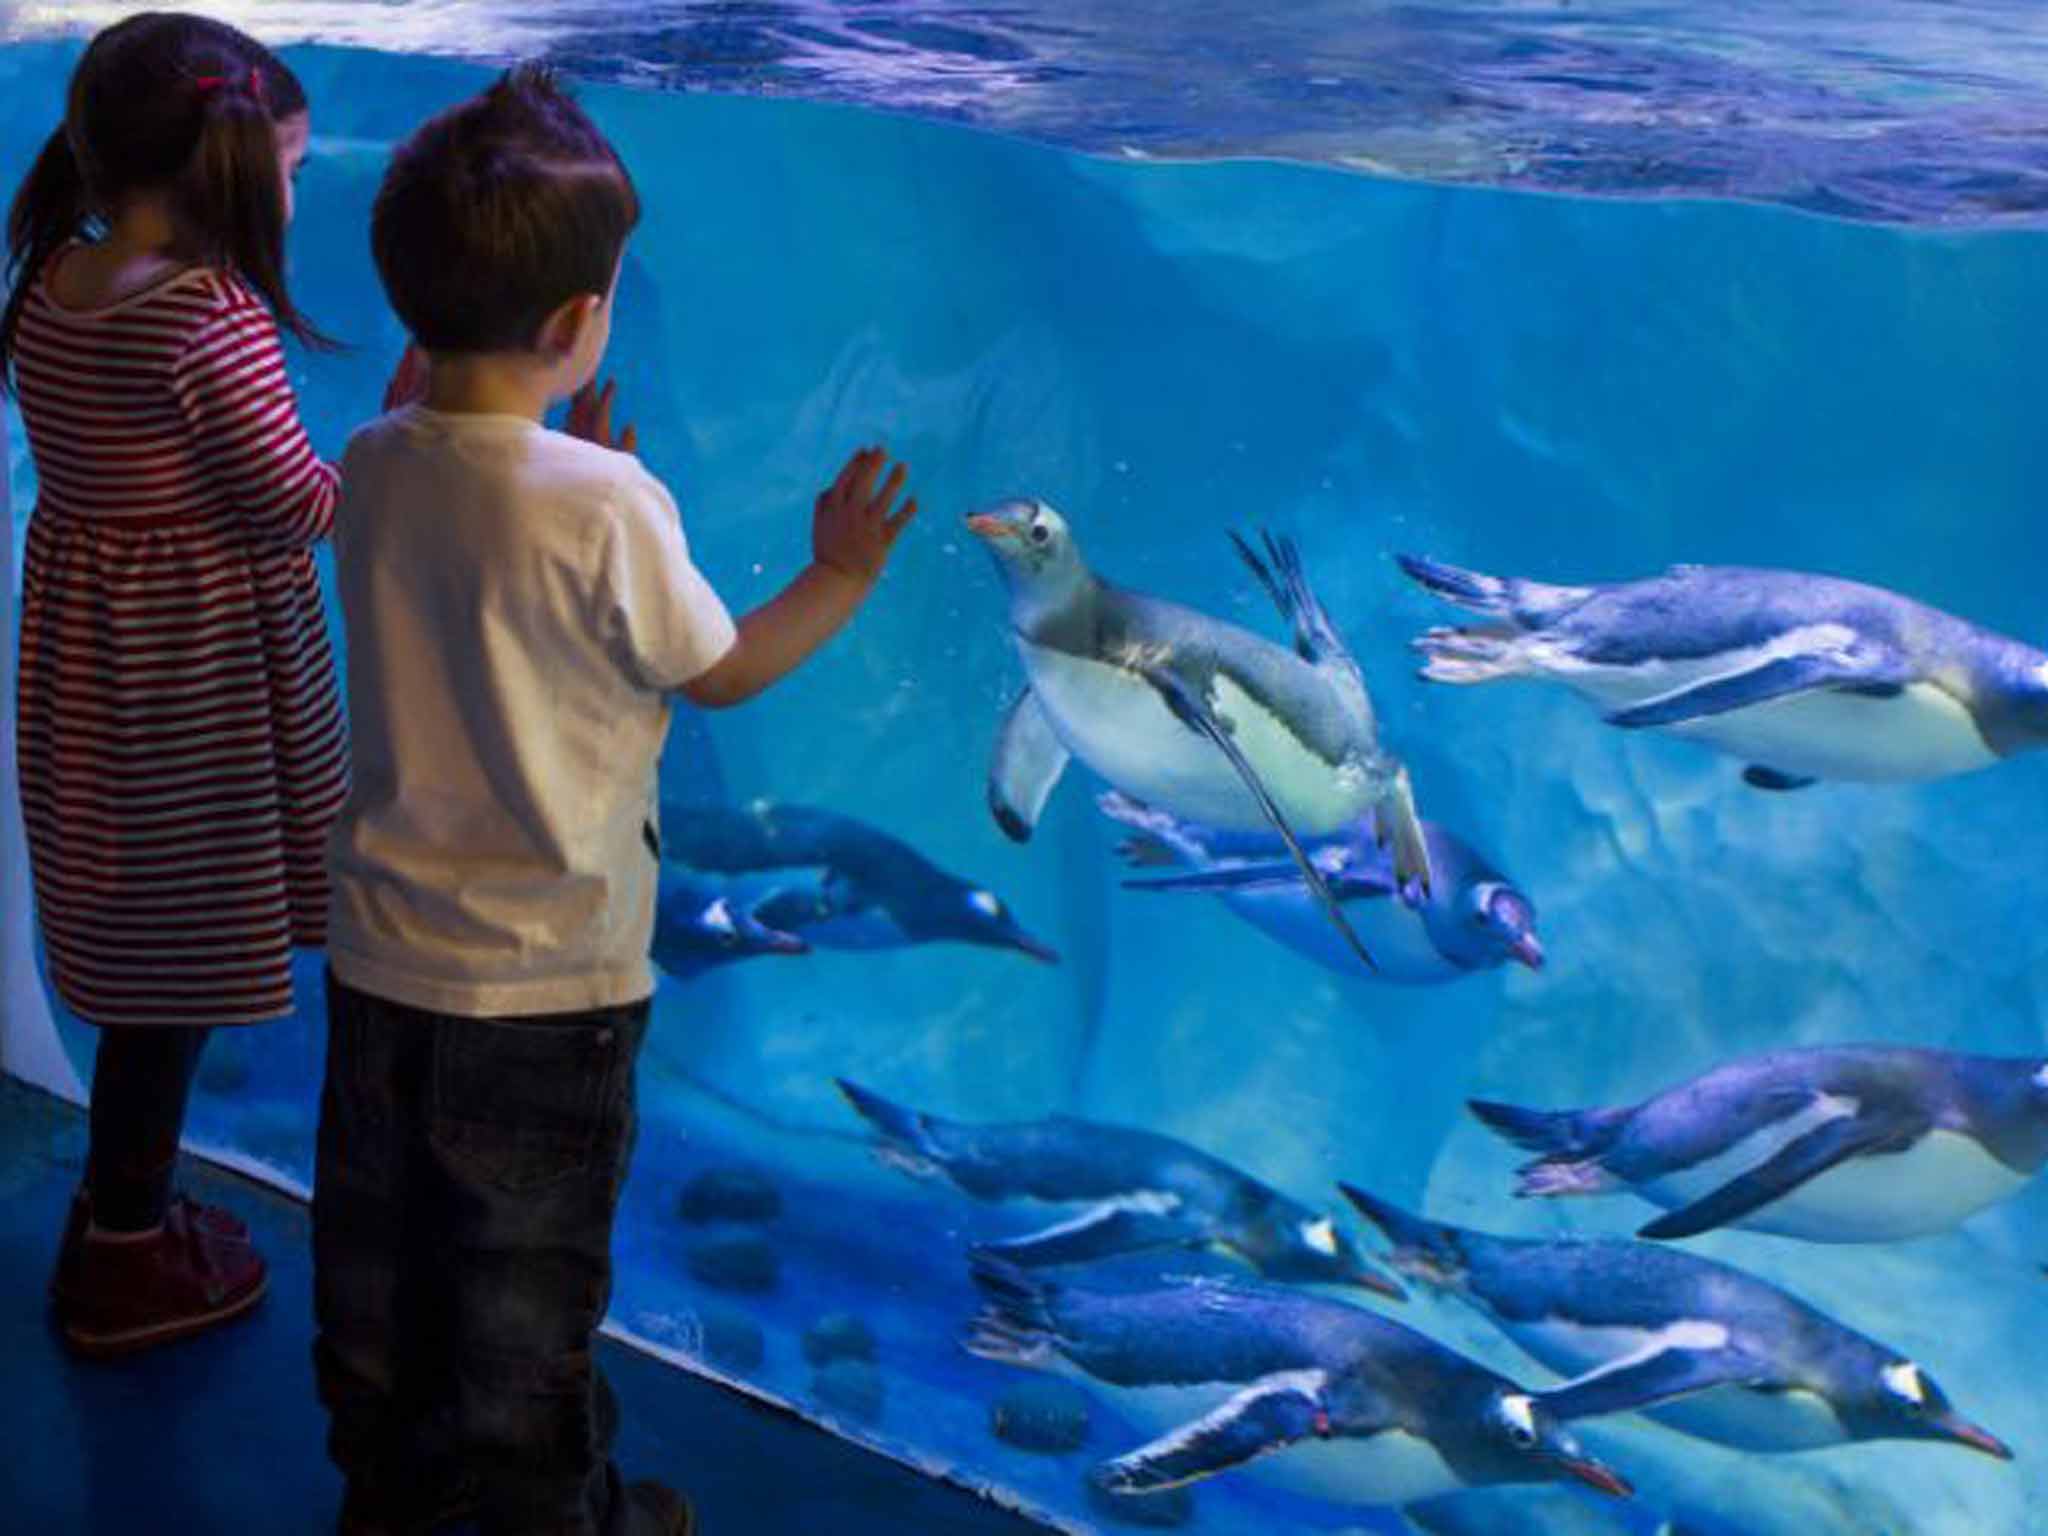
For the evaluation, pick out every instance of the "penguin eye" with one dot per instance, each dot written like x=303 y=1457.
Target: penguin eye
x=1517 y=1413
x=1040 y=534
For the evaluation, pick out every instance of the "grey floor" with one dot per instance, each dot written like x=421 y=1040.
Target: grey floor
x=222 y=1433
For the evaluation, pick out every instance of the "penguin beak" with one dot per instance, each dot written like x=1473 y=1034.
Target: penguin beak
x=1024 y=944
x=1372 y=1280
x=1595 y=1475
x=1963 y=1432
x=990 y=526
x=1527 y=950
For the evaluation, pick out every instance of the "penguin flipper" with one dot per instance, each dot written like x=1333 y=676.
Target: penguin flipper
x=1271 y=1414
x=1757 y=776
x=1197 y=717
x=792 y=905
x=1029 y=759
x=1847 y=669
x=1803 y=1158
x=1678 y=1371
x=1098 y=1233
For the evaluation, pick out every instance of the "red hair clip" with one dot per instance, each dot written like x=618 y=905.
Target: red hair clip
x=208 y=84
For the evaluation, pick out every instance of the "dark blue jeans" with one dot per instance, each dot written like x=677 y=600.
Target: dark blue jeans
x=468 y=1173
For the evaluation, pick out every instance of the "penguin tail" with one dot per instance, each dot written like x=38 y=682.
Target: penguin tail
x=1525 y=604
x=1455 y=584
x=906 y=1132
x=1421 y=1250
x=1015 y=1324
x=1573 y=1133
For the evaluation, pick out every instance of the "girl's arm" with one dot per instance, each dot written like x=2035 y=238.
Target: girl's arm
x=232 y=387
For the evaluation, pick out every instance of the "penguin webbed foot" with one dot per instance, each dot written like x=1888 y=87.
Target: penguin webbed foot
x=1145 y=850
x=1473 y=653
x=1397 y=822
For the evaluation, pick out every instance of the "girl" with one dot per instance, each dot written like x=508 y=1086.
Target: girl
x=181 y=743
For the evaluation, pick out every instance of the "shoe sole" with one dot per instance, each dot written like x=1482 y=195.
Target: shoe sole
x=104 y=1346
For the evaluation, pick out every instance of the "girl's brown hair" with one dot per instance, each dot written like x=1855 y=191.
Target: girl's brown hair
x=172 y=103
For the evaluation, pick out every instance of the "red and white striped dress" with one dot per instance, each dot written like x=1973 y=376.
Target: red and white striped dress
x=182 y=750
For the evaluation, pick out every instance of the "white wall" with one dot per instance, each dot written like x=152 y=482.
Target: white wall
x=29 y=1048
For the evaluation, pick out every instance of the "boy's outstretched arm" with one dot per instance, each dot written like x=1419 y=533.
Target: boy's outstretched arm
x=852 y=533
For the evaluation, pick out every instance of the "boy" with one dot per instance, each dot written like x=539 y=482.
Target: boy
x=519 y=604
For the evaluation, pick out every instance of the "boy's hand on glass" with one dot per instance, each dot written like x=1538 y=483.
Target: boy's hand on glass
x=590 y=418
x=852 y=528
x=408 y=384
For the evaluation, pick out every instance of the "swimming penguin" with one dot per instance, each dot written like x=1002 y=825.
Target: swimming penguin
x=1801 y=677
x=1699 y=1346
x=1186 y=712
x=1364 y=1410
x=700 y=923
x=1142 y=1191
x=1835 y=1144
x=1473 y=918
x=840 y=883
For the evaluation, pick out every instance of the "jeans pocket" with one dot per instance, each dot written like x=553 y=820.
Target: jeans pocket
x=521 y=1105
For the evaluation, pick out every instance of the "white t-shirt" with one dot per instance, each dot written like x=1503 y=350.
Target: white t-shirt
x=518 y=606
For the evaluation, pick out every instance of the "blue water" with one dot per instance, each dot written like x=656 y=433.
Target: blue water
x=1567 y=388
x=1907 y=111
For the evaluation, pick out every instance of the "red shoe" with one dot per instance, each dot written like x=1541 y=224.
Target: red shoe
x=215 y=1220
x=116 y=1296
x=185 y=1212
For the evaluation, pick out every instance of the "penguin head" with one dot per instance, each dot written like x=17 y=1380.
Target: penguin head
x=1495 y=922
x=697 y=925
x=1904 y=1403
x=1291 y=1243
x=738 y=931
x=1032 y=545
x=1522 y=1441
x=978 y=916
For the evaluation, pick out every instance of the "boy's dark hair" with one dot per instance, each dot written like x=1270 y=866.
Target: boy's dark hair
x=173 y=103
x=496 y=213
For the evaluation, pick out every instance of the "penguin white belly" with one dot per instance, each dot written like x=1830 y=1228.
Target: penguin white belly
x=1923 y=732
x=1730 y=1415
x=1944 y=1178
x=1389 y=1468
x=1392 y=1467
x=1391 y=932
x=1116 y=723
